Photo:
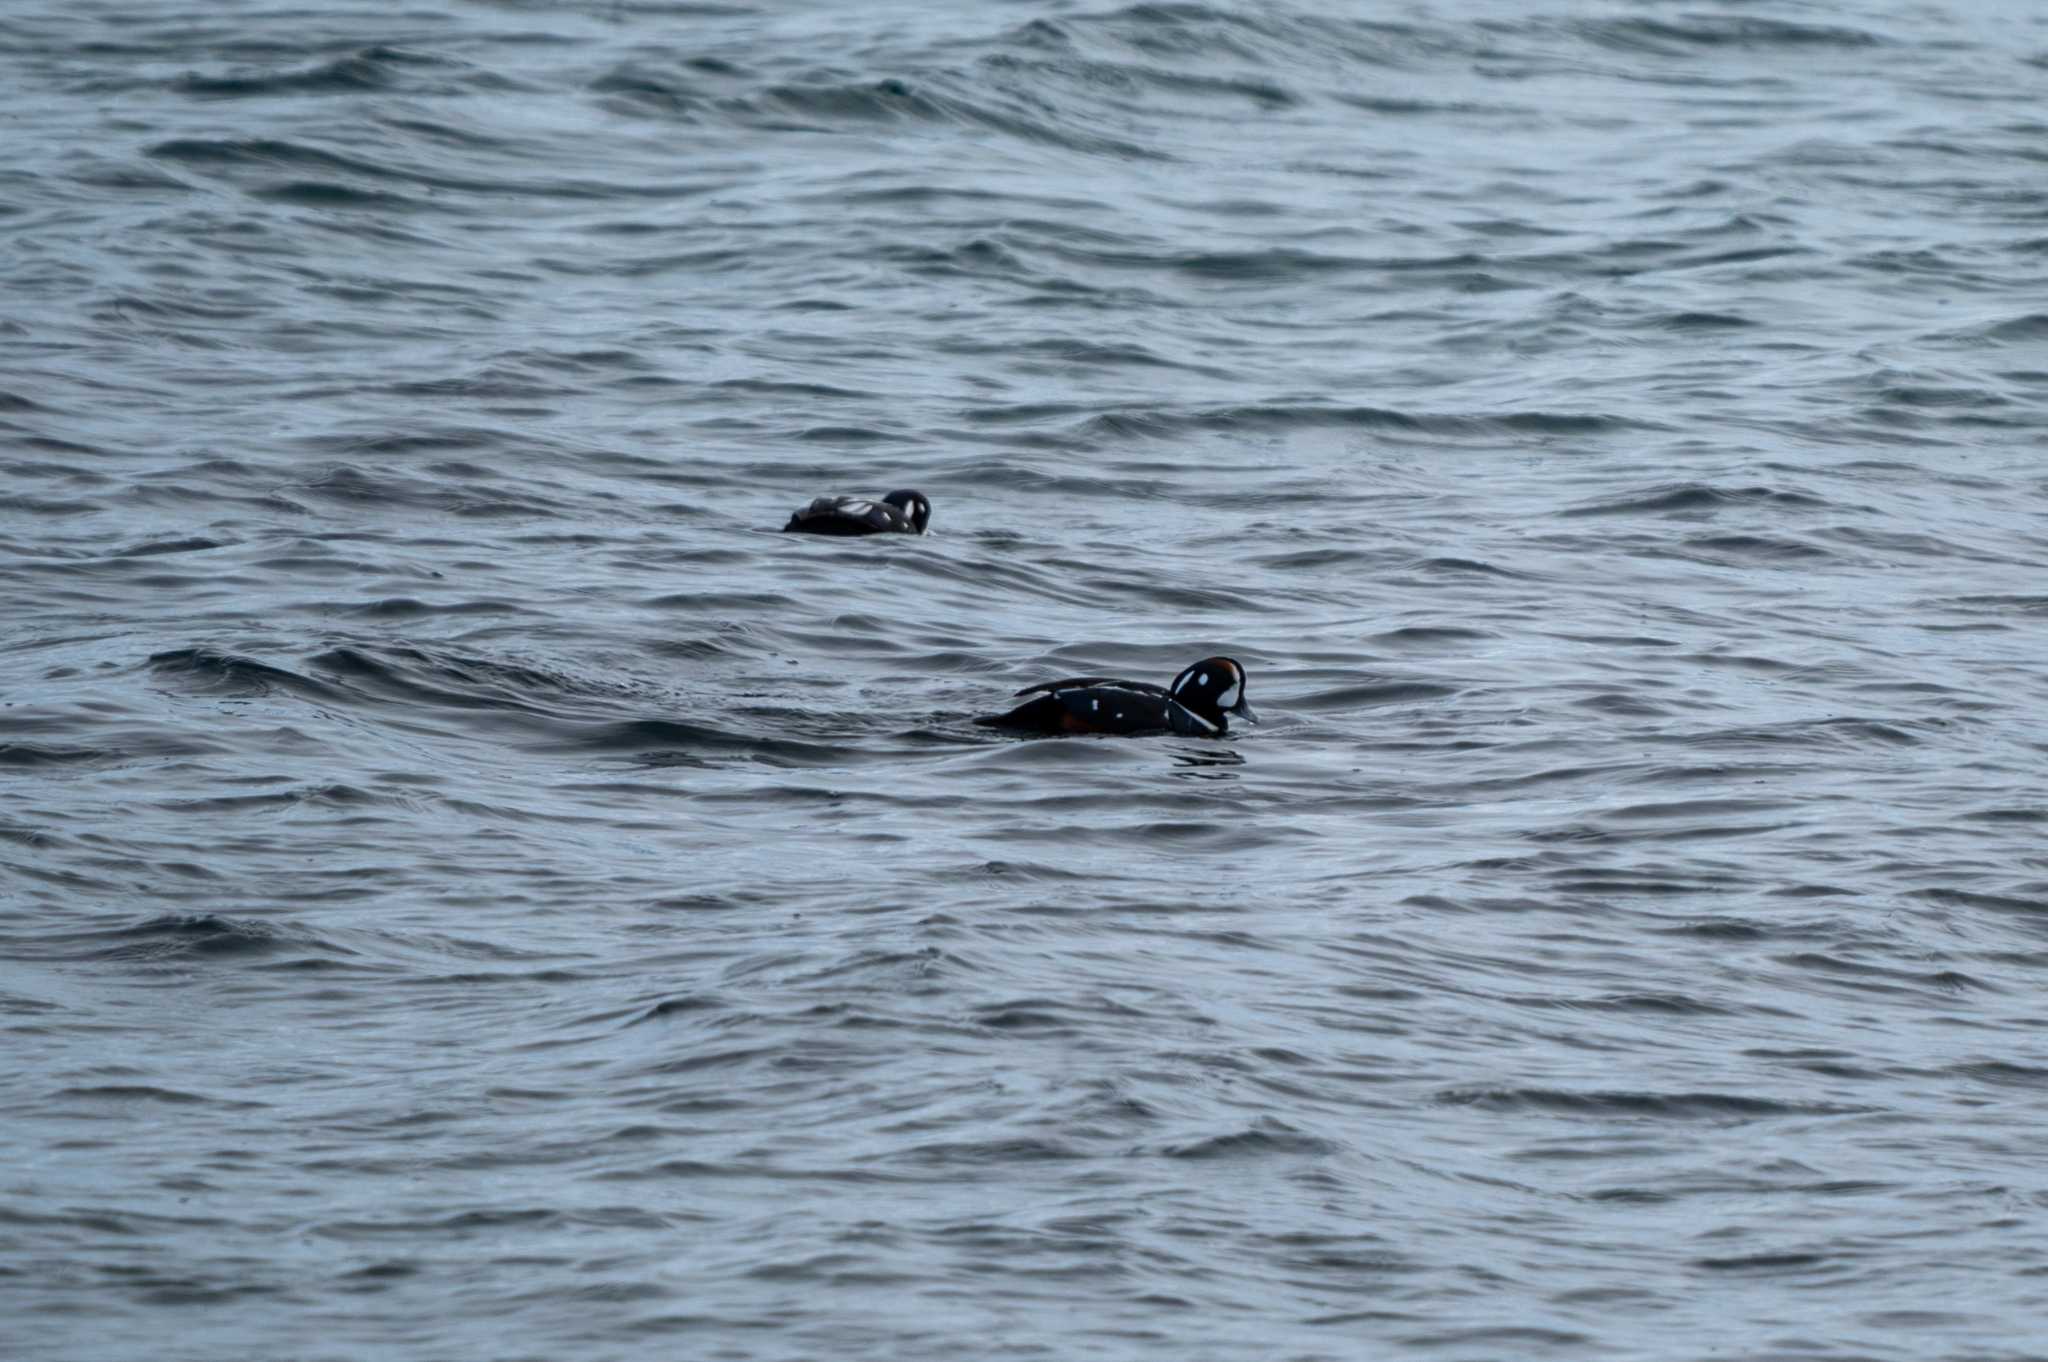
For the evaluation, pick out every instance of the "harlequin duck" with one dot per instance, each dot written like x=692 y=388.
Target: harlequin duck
x=1196 y=705
x=898 y=513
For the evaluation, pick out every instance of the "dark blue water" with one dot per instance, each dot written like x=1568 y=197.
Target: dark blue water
x=472 y=889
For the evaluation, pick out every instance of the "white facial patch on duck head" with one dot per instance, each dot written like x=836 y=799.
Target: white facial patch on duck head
x=1234 y=691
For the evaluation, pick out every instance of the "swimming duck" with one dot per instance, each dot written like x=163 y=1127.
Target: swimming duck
x=903 y=512
x=1197 y=705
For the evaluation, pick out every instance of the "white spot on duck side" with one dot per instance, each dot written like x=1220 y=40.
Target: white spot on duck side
x=1095 y=704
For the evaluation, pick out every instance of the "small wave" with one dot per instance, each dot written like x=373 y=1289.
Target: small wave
x=303 y=163
x=938 y=97
x=1694 y=808
x=1935 y=396
x=659 y=88
x=1691 y=497
x=2030 y=907
x=1413 y=107
x=2003 y=605
x=48 y=506
x=1258 y=36
x=1897 y=541
x=2004 y=1073
x=327 y=194
x=128 y=1094
x=1065 y=353
x=1600 y=886
x=2029 y=326
x=1430 y=636
x=1774 y=1263
x=26 y=754
x=171 y=936
x=675 y=1007
x=1025 y=872
x=190 y=544
x=260 y=151
x=756 y=387
x=332 y=794
x=1621 y=705
x=1464 y=566
x=883 y=100
x=1268 y=1138
x=348 y=484
x=410 y=607
x=1721 y=929
x=220 y=673
x=1158 y=423
x=1317 y=560
x=1834 y=732
x=848 y=435
x=1659 y=1004
x=456 y=681
x=1362 y=696
x=1038 y=1016
x=370 y=70
x=1122 y=80
x=1684 y=1106
x=1709 y=34
x=657 y=740
x=1701 y=321
x=1276 y=262
x=992 y=1153
x=1753 y=548
x=2008 y=815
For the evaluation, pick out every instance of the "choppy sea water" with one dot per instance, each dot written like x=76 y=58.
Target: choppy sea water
x=473 y=889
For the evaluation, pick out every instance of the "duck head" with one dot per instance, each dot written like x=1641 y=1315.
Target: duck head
x=913 y=505
x=1212 y=689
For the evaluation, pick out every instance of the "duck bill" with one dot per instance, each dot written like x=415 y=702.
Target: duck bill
x=1243 y=710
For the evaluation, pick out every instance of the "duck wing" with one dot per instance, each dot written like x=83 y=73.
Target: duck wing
x=1088 y=705
x=847 y=515
x=1084 y=682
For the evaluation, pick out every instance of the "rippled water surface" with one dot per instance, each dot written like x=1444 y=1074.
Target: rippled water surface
x=474 y=889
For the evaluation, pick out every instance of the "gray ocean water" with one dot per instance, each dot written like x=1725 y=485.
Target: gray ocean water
x=470 y=888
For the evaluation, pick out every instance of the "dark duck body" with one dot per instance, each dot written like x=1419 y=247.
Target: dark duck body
x=1198 y=704
x=904 y=512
